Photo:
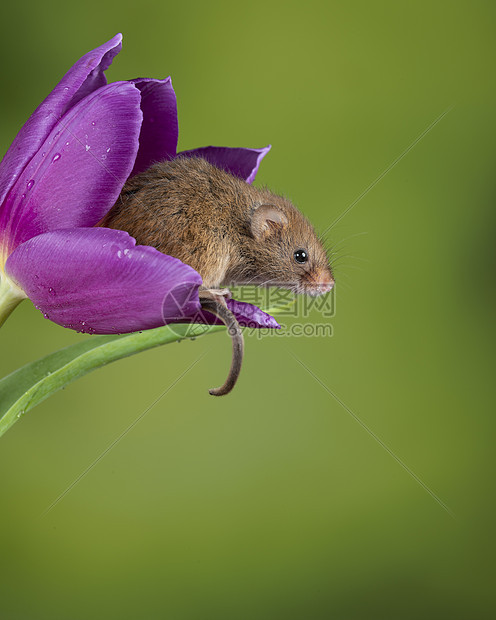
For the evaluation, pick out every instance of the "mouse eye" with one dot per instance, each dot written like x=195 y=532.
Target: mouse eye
x=300 y=256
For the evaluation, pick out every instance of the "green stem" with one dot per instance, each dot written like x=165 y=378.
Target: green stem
x=10 y=297
x=26 y=387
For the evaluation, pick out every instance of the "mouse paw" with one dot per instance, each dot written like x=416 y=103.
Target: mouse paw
x=218 y=294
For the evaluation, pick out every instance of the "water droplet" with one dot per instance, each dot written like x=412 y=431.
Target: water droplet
x=93 y=123
x=56 y=157
x=67 y=143
x=108 y=150
x=83 y=323
x=45 y=314
x=126 y=252
x=119 y=254
x=23 y=196
x=30 y=184
x=43 y=154
x=87 y=147
x=51 y=291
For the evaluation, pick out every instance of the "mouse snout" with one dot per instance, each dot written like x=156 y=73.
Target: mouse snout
x=326 y=285
x=319 y=282
x=325 y=281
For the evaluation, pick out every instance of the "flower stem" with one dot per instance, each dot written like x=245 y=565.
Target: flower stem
x=10 y=297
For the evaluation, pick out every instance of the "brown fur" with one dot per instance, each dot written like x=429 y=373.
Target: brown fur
x=229 y=231
x=204 y=216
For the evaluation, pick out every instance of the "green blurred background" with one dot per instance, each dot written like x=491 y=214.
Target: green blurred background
x=274 y=502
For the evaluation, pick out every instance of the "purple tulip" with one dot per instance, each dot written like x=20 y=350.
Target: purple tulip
x=63 y=173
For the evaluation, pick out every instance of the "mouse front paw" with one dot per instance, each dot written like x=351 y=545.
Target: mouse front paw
x=219 y=294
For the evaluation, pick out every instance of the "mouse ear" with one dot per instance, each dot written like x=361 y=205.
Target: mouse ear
x=267 y=219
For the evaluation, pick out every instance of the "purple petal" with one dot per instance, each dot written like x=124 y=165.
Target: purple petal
x=85 y=76
x=247 y=314
x=240 y=162
x=78 y=172
x=97 y=281
x=158 y=137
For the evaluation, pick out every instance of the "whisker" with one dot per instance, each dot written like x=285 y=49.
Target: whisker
x=348 y=266
x=358 y=234
x=359 y=258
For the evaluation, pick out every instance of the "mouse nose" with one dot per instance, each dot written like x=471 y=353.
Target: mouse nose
x=325 y=282
x=327 y=286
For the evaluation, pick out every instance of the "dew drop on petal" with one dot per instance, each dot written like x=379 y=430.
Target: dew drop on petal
x=30 y=184
x=108 y=150
x=56 y=157
x=87 y=147
x=119 y=254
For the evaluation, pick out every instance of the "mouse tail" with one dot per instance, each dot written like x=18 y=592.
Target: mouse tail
x=219 y=309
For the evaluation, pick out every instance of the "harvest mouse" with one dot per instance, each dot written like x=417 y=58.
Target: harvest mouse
x=230 y=232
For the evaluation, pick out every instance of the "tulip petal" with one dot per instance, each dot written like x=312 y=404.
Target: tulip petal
x=159 y=131
x=84 y=77
x=240 y=162
x=78 y=172
x=246 y=314
x=249 y=315
x=96 y=280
